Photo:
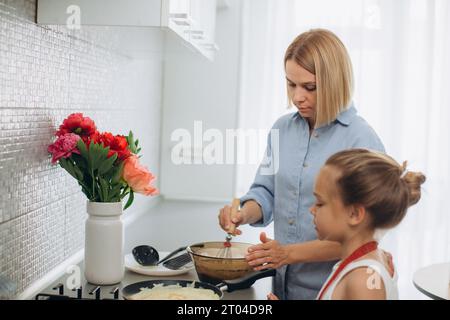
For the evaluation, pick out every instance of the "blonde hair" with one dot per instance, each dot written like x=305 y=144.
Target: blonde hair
x=377 y=182
x=321 y=53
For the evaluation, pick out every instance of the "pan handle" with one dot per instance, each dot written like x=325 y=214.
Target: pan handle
x=245 y=282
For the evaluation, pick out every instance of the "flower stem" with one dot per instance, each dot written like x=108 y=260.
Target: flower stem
x=93 y=185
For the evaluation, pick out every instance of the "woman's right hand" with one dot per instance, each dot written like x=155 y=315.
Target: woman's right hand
x=226 y=221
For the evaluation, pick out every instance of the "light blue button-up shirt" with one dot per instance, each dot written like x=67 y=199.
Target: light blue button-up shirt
x=286 y=196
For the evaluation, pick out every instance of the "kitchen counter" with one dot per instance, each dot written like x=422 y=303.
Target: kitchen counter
x=169 y=225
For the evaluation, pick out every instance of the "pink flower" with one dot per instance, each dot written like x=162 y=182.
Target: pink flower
x=64 y=146
x=138 y=177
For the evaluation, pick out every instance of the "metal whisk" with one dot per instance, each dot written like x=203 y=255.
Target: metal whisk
x=225 y=252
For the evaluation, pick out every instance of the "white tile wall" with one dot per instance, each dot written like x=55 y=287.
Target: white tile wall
x=46 y=74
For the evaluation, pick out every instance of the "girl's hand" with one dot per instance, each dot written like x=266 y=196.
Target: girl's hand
x=267 y=255
x=271 y=296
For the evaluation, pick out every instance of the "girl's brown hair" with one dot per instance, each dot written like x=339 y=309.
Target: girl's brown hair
x=377 y=182
x=323 y=54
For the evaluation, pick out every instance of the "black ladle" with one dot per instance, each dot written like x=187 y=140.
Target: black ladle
x=148 y=256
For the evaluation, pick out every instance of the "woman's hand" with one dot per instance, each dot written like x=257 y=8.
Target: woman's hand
x=226 y=221
x=267 y=255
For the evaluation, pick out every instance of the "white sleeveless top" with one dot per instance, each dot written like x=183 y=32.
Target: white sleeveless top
x=390 y=283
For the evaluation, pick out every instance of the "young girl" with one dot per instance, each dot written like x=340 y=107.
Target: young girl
x=357 y=192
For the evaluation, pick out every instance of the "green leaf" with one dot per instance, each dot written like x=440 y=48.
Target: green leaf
x=80 y=162
x=107 y=164
x=130 y=137
x=78 y=172
x=97 y=154
x=126 y=190
x=133 y=145
x=103 y=152
x=130 y=200
x=83 y=150
x=86 y=191
x=117 y=173
x=68 y=166
x=114 y=194
x=104 y=189
x=90 y=155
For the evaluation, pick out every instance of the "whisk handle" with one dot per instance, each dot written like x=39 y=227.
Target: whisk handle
x=234 y=210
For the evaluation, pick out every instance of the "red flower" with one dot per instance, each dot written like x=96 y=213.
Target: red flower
x=76 y=123
x=117 y=144
x=95 y=138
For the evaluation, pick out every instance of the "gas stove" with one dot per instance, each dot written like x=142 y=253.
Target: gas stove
x=80 y=293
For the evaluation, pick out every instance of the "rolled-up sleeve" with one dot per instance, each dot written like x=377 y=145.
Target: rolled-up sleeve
x=262 y=189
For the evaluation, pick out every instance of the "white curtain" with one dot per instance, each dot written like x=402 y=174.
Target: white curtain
x=400 y=52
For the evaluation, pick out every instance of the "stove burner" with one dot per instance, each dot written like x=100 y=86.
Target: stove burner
x=79 y=294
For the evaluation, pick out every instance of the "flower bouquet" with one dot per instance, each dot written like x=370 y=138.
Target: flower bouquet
x=106 y=166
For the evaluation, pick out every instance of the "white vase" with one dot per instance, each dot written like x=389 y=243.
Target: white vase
x=103 y=255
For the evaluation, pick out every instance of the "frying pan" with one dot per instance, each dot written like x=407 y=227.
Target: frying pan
x=227 y=285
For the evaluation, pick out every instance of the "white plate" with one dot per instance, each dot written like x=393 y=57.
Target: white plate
x=132 y=265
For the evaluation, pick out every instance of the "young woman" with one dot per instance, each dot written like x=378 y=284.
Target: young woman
x=320 y=85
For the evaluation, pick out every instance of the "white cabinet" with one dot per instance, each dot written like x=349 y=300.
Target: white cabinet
x=176 y=16
x=143 y=13
x=203 y=22
x=193 y=21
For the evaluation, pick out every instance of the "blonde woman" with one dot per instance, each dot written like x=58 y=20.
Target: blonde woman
x=320 y=85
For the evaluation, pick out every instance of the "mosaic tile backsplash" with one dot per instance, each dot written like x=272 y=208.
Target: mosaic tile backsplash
x=46 y=73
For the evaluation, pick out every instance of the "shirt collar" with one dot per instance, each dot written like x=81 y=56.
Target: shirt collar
x=345 y=117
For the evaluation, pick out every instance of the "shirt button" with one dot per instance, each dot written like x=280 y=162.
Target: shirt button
x=305 y=165
x=291 y=222
x=316 y=135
